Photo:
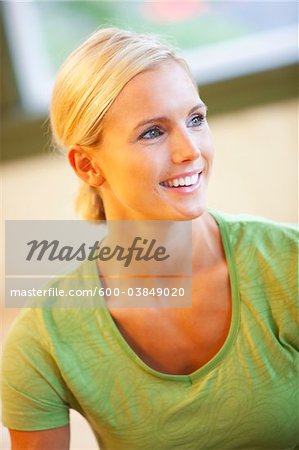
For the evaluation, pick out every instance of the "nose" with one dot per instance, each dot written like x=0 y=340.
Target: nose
x=184 y=147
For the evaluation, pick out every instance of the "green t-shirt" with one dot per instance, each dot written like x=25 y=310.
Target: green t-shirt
x=245 y=397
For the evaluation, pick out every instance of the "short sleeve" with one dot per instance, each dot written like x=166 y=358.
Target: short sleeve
x=33 y=393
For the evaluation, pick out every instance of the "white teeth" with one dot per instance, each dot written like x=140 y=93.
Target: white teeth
x=194 y=178
x=187 y=181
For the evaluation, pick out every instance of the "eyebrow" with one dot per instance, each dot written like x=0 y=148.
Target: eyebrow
x=161 y=118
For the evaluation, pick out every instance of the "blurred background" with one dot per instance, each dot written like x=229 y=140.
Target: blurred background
x=244 y=56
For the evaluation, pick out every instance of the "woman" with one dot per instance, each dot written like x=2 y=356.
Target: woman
x=220 y=374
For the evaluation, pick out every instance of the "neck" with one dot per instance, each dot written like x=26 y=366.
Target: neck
x=140 y=246
x=207 y=249
x=192 y=246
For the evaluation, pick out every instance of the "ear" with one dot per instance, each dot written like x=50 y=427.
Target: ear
x=85 y=166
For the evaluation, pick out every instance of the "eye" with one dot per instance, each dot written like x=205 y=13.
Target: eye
x=197 y=120
x=151 y=133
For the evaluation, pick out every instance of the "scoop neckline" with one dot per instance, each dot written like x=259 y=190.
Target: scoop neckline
x=233 y=329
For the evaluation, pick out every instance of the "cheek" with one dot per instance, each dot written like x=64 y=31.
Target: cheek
x=130 y=177
x=206 y=145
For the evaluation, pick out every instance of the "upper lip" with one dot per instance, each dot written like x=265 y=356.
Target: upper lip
x=184 y=174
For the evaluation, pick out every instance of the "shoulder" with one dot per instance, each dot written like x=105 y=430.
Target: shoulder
x=27 y=327
x=67 y=309
x=264 y=253
x=34 y=395
x=43 y=346
x=43 y=328
x=264 y=234
x=264 y=257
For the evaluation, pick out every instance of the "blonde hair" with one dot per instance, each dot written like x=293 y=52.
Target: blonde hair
x=89 y=82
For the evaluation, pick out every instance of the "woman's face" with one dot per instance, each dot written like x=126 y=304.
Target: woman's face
x=156 y=131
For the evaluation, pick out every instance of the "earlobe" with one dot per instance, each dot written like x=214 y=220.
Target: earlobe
x=85 y=167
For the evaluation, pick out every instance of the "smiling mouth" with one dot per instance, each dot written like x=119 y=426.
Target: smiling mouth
x=181 y=182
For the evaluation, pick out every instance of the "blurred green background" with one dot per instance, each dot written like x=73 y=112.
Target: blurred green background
x=49 y=30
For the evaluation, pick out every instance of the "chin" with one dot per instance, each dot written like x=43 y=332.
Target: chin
x=195 y=214
x=188 y=215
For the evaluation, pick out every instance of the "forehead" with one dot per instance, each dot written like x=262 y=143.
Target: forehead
x=163 y=90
